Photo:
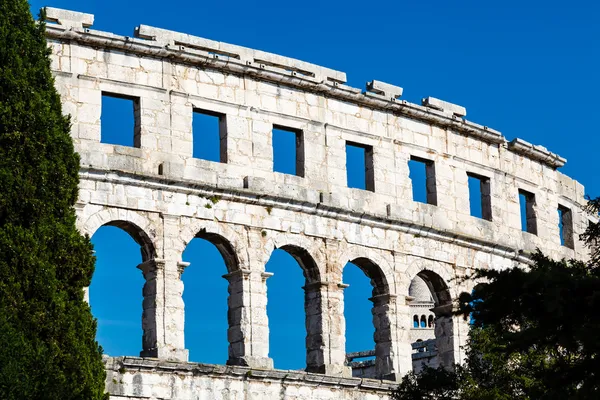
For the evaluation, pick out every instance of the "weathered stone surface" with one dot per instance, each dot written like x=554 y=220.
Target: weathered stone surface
x=163 y=197
x=71 y=19
x=445 y=106
x=387 y=91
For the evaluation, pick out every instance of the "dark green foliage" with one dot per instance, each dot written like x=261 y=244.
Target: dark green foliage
x=47 y=333
x=534 y=334
x=440 y=383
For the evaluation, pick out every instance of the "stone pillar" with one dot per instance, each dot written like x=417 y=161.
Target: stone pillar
x=401 y=349
x=248 y=332
x=163 y=312
x=325 y=329
x=336 y=330
x=392 y=348
x=445 y=339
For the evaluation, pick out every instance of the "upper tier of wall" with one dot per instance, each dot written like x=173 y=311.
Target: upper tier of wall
x=173 y=73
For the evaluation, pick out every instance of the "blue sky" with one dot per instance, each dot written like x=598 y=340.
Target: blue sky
x=528 y=69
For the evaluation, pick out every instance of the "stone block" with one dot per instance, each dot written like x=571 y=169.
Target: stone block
x=384 y=89
x=69 y=19
x=445 y=106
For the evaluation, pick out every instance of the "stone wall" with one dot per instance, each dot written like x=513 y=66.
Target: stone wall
x=163 y=197
x=137 y=379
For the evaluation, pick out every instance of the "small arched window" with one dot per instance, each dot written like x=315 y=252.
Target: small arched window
x=423 y=321
x=416 y=321
x=421 y=349
x=430 y=321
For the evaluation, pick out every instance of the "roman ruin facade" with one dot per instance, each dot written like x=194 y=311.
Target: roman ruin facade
x=164 y=197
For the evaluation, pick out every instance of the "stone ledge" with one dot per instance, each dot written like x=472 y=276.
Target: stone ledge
x=69 y=19
x=124 y=365
x=250 y=197
x=537 y=153
x=450 y=108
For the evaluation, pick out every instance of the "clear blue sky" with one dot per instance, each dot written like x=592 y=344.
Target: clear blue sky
x=529 y=70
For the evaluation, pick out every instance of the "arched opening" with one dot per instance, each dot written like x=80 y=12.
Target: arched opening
x=115 y=292
x=421 y=349
x=416 y=321
x=433 y=341
x=360 y=345
x=368 y=334
x=294 y=314
x=208 y=317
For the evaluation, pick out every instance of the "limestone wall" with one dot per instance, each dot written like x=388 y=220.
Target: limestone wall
x=136 y=379
x=164 y=198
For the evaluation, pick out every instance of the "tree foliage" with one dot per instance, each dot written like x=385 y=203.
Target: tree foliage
x=534 y=334
x=47 y=334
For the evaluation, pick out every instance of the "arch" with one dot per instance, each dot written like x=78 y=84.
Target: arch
x=138 y=227
x=415 y=321
x=375 y=274
x=377 y=267
x=436 y=275
x=382 y=311
x=225 y=237
x=438 y=287
x=224 y=247
x=307 y=252
x=116 y=271
x=224 y=240
x=306 y=262
x=430 y=321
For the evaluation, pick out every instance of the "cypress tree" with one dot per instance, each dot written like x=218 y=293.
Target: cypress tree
x=47 y=333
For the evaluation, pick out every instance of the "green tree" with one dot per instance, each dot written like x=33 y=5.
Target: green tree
x=47 y=333
x=534 y=334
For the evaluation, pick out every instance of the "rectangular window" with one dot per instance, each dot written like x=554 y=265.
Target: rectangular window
x=527 y=206
x=288 y=151
x=422 y=175
x=565 y=227
x=209 y=136
x=480 y=200
x=359 y=166
x=120 y=120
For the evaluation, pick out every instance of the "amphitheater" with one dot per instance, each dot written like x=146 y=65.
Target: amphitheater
x=414 y=252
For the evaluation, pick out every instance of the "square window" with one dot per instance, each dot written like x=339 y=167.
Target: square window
x=422 y=176
x=527 y=206
x=120 y=120
x=288 y=151
x=565 y=227
x=209 y=136
x=359 y=166
x=480 y=202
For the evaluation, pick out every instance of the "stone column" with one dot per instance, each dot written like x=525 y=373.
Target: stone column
x=336 y=331
x=401 y=349
x=162 y=317
x=325 y=329
x=445 y=339
x=393 y=356
x=248 y=332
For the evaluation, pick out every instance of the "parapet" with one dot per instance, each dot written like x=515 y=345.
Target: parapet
x=69 y=19
x=229 y=52
x=437 y=104
x=161 y=43
x=538 y=153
